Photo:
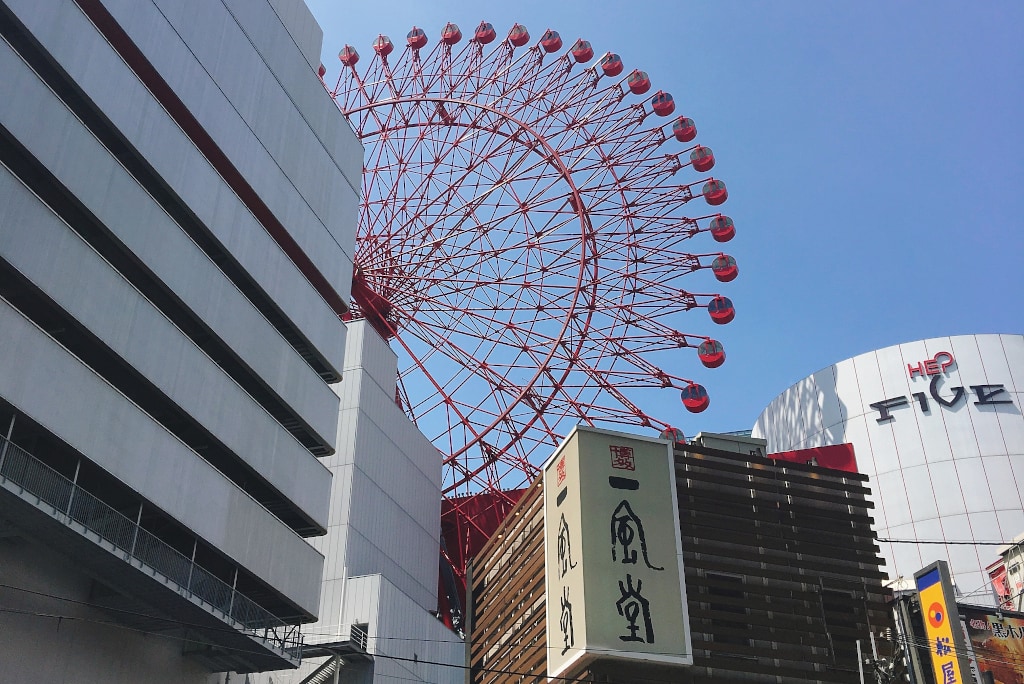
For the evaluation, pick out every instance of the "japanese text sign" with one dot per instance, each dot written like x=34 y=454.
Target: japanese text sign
x=613 y=569
x=941 y=625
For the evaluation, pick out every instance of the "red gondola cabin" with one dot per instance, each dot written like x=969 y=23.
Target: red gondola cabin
x=582 y=51
x=662 y=103
x=714 y=192
x=416 y=38
x=684 y=129
x=451 y=34
x=638 y=82
x=383 y=45
x=702 y=158
x=551 y=41
x=711 y=353
x=518 y=36
x=724 y=267
x=611 y=64
x=722 y=228
x=348 y=56
x=721 y=310
x=485 y=33
x=695 y=397
x=674 y=435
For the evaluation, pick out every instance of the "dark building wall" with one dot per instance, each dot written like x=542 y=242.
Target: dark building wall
x=782 y=578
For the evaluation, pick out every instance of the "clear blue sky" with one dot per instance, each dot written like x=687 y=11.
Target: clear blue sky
x=874 y=153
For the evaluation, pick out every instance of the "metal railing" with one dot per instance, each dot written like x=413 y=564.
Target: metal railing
x=358 y=635
x=71 y=502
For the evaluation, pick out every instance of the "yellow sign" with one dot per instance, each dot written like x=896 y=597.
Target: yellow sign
x=614 y=569
x=942 y=625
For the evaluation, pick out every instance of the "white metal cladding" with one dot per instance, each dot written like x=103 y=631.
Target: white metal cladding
x=107 y=80
x=381 y=549
x=58 y=261
x=410 y=643
x=302 y=27
x=407 y=642
x=386 y=499
x=298 y=78
x=938 y=472
x=39 y=120
x=376 y=361
x=52 y=387
x=210 y=63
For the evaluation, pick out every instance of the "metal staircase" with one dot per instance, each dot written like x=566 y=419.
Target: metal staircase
x=328 y=672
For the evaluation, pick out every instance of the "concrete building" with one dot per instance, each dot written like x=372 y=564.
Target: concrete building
x=1007 y=574
x=937 y=426
x=781 y=572
x=378 y=619
x=178 y=202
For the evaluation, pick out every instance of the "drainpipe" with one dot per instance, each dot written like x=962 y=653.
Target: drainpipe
x=195 y=543
x=3 y=451
x=74 y=486
x=135 y=532
x=234 y=585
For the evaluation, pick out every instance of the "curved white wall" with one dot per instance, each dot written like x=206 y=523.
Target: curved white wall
x=945 y=464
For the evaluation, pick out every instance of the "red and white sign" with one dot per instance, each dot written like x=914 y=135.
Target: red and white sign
x=622 y=458
x=933 y=366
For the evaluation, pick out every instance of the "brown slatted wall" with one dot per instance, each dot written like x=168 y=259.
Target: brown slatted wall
x=782 y=575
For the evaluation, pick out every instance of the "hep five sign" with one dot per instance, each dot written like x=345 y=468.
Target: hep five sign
x=933 y=366
x=936 y=370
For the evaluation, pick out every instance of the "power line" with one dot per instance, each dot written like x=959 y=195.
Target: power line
x=133 y=613
x=919 y=643
x=888 y=540
x=118 y=625
x=907 y=640
x=58 y=616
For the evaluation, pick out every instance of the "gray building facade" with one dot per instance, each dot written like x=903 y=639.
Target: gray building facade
x=178 y=200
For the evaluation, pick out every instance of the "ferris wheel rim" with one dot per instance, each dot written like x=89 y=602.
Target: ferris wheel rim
x=597 y=360
x=586 y=231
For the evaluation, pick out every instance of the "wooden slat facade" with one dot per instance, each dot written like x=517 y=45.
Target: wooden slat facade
x=782 y=578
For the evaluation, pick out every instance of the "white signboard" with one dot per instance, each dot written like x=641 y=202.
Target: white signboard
x=614 y=564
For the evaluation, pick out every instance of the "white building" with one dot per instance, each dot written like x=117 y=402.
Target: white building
x=938 y=426
x=178 y=200
x=378 y=603
x=1008 y=575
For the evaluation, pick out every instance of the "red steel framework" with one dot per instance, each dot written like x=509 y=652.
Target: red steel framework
x=522 y=240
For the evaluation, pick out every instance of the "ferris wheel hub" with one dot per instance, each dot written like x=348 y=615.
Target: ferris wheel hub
x=373 y=307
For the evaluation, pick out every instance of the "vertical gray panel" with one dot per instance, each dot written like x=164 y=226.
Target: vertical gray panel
x=51 y=387
x=110 y=84
x=73 y=155
x=238 y=100
x=302 y=27
x=49 y=254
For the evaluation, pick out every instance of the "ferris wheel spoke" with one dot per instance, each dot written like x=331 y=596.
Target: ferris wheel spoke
x=499 y=381
x=522 y=243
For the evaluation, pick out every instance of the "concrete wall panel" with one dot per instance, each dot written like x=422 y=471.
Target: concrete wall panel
x=51 y=386
x=215 y=68
x=63 y=144
x=302 y=27
x=57 y=261
x=106 y=79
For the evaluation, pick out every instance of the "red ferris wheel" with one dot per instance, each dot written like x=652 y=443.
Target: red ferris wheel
x=525 y=242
